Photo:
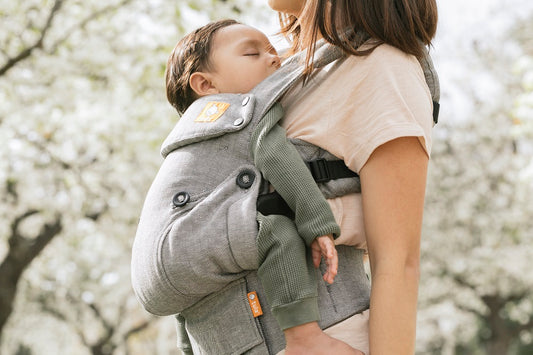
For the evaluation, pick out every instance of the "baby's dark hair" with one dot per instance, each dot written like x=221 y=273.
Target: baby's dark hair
x=190 y=55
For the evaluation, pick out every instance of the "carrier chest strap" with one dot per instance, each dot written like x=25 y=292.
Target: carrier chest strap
x=322 y=170
x=325 y=170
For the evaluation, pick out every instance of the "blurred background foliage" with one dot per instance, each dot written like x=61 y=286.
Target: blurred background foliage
x=83 y=113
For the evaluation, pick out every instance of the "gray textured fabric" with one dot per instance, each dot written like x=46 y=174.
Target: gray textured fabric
x=184 y=253
x=431 y=76
x=223 y=323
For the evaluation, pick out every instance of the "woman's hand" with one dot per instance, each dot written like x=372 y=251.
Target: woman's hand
x=325 y=247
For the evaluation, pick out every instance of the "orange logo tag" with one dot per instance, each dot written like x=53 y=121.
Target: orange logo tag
x=254 y=304
x=212 y=111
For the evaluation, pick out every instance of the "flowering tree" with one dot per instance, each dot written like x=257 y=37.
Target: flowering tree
x=476 y=286
x=82 y=116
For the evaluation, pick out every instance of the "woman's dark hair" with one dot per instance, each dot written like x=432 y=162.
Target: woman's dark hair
x=408 y=25
x=191 y=54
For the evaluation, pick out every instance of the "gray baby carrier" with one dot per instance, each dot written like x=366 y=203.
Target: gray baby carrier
x=196 y=240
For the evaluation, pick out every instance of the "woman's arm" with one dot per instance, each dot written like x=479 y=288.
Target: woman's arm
x=393 y=183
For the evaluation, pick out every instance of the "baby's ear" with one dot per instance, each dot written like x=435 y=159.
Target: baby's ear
x=202 y=84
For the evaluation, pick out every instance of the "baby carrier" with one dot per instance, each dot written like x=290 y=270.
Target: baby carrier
x=197 y=232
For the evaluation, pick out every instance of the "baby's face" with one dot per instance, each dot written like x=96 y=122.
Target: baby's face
x=241 y=58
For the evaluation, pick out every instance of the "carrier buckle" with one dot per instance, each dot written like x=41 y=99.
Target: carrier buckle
x=319 y=169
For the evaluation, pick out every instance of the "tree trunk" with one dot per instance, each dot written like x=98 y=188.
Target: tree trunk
x=22 y=251
x=501 y=335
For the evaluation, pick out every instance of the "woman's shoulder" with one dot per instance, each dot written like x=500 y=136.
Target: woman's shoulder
x=385 y=51
x=384 y=59
x=384 y=66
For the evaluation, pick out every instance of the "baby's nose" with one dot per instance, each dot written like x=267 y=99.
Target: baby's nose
x=275 y=61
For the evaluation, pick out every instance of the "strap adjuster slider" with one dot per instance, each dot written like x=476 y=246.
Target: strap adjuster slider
x=320 y=170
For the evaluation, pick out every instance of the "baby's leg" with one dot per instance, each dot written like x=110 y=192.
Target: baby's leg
x=289 y=278
x=286 y=272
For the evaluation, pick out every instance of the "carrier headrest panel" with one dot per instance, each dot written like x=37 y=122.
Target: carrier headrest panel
x=209 y=117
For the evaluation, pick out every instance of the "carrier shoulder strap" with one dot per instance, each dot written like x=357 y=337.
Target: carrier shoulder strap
x=273 y=87
x=325 y=170
x=322 y=170
x=432 y=80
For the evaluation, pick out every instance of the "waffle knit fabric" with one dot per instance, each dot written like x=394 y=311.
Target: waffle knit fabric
x=286 y=270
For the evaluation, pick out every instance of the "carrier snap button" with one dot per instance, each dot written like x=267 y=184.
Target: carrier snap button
x=246 y=100
x=180 y=199
x=239 y=121
x=245 y=179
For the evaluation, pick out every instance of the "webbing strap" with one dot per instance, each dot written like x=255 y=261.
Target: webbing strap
x=325 y=170
x=322 y=170
x=436 y=108
x=273 y=203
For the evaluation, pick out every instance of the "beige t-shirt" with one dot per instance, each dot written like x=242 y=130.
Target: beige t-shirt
x=352 y=107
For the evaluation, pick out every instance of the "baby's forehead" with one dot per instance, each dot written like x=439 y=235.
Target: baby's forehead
x=239 y=34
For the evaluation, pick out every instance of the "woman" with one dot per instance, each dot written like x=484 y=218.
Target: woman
x=374 y=111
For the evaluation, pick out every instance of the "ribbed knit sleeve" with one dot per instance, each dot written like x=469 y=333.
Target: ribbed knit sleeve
x=283 y=167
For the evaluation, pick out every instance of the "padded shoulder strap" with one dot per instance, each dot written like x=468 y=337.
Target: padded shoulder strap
x=432 y=80
x=273 y=87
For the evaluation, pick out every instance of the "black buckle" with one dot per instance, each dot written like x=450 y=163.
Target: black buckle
x=319 y=169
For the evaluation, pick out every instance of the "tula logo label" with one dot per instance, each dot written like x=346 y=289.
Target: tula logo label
x=255 y=306
x=212 y=111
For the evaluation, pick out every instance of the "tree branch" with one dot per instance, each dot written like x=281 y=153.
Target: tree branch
x=134 y=330
x=26 y=52
x=85 y=21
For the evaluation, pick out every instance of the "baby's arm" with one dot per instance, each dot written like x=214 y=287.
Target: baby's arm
x=282 y=166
